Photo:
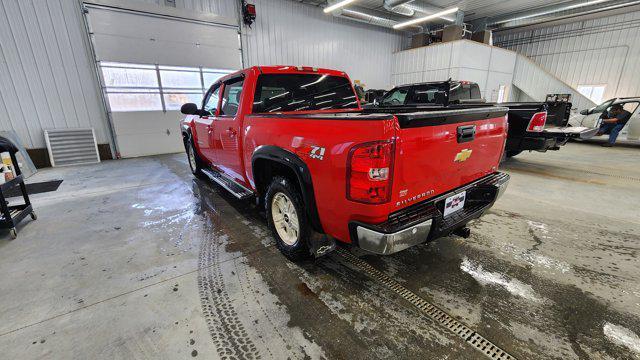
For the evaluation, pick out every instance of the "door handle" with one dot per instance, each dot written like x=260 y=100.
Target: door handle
x=231 y=132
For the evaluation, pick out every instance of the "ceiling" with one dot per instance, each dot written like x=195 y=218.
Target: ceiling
x=473 y=9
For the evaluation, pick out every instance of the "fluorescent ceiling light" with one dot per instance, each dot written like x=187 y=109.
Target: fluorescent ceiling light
x=337 y=5
x=570 y=7
x=426 y=18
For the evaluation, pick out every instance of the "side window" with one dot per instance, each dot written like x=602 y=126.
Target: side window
x=231 y=97
x=211 y=102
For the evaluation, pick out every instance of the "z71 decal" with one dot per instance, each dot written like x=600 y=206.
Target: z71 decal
x=317 y=152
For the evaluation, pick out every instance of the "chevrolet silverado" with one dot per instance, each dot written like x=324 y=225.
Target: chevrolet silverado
x=297 y=140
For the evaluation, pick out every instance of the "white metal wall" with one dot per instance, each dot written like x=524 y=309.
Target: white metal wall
x=46 y=76
x=489 y=66
x=292 y=33
x=590 y=52
x=46 y=71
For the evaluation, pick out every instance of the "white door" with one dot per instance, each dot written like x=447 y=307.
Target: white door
x=153 y=63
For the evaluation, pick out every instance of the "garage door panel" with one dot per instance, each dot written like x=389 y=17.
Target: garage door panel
x=145 y=26
x=136 y=50
x=148 y=132
x=143 y=38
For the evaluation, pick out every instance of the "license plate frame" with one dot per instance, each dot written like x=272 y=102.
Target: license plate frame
x=454 y=203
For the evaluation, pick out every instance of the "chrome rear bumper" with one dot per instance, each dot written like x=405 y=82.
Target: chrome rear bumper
x=384 y=244
x=424 y=221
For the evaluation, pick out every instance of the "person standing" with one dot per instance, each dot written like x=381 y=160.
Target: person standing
x=612 y=123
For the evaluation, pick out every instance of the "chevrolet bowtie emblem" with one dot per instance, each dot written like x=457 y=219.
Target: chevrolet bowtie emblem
x=463 y=155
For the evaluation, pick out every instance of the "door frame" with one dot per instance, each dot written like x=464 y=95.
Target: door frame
x=138 y=9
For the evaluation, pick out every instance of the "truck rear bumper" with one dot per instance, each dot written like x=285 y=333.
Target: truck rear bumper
x=537 y=143
x=424 y=221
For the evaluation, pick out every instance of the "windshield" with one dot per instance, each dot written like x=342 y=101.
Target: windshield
x=395 y=97
x=302 y=92
x=602 y=107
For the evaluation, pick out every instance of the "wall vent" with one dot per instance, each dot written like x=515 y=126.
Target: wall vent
x=71 y=146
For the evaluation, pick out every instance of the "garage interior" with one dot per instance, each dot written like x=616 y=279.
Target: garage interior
x=133 y=257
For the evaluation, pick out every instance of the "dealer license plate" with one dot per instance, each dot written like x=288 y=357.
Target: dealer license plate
x=454 y=203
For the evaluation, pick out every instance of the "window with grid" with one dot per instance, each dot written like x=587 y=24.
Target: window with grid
x=141 y=87
x=593 y=92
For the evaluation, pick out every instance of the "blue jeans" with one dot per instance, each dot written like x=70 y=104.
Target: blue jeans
x=612 y=129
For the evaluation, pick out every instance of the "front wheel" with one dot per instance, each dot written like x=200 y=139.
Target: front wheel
x=287 y=220
x=194 y=159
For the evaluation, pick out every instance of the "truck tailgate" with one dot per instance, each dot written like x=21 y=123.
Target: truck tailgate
x=573 y=132
x=442 y=150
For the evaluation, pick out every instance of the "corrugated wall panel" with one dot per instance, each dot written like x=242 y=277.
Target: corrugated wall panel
x=46 y=77
x=590 y=52
x=292 y=33
x=46 y=71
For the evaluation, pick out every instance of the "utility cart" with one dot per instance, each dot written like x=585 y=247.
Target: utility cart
x=13 y=214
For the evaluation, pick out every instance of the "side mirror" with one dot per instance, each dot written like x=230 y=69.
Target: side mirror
x=584 y=112
x=189 y=109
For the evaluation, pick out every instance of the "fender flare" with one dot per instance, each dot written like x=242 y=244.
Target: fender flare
x=300 y=169
x=185 y=130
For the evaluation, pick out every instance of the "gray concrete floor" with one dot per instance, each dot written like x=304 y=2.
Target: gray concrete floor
x=136 y=259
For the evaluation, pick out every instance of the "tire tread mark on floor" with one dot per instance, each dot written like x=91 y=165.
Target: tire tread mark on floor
x=227 y=331
x=440 y=316
x=274 y=328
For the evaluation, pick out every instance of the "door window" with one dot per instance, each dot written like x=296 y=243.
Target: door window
x=210 y=103
x=231 y=97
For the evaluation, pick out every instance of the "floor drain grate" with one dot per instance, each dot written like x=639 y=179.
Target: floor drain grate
x=467 y=334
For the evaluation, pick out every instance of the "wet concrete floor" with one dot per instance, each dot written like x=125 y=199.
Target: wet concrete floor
x=137 y=259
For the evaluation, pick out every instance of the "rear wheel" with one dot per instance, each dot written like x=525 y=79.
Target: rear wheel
x=287 y=220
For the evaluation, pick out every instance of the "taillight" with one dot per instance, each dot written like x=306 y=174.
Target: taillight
x=537 y=122
x=370 y=172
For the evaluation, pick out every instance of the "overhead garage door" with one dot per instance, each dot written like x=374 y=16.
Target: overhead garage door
x=151 y=64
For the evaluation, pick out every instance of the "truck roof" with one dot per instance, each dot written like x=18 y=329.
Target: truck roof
x=285 y=69
x=436 y=82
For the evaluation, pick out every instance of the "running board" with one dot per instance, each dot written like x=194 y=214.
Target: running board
x=228 y=184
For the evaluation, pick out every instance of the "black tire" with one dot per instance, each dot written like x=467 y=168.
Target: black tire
x=299 y=250
x=195 y=164
x=513 y=153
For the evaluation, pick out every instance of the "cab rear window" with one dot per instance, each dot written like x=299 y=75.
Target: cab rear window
x=464 y=91
x=302 y=92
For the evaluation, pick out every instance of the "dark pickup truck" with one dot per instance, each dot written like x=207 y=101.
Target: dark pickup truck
x=538 y=126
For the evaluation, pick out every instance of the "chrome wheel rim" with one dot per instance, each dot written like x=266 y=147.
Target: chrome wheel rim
x=285 y=218
x=192 y=158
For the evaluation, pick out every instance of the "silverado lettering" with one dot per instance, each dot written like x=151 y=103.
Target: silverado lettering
x=297 y=140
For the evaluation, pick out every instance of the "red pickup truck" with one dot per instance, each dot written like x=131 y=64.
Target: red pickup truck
x=297 y=140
